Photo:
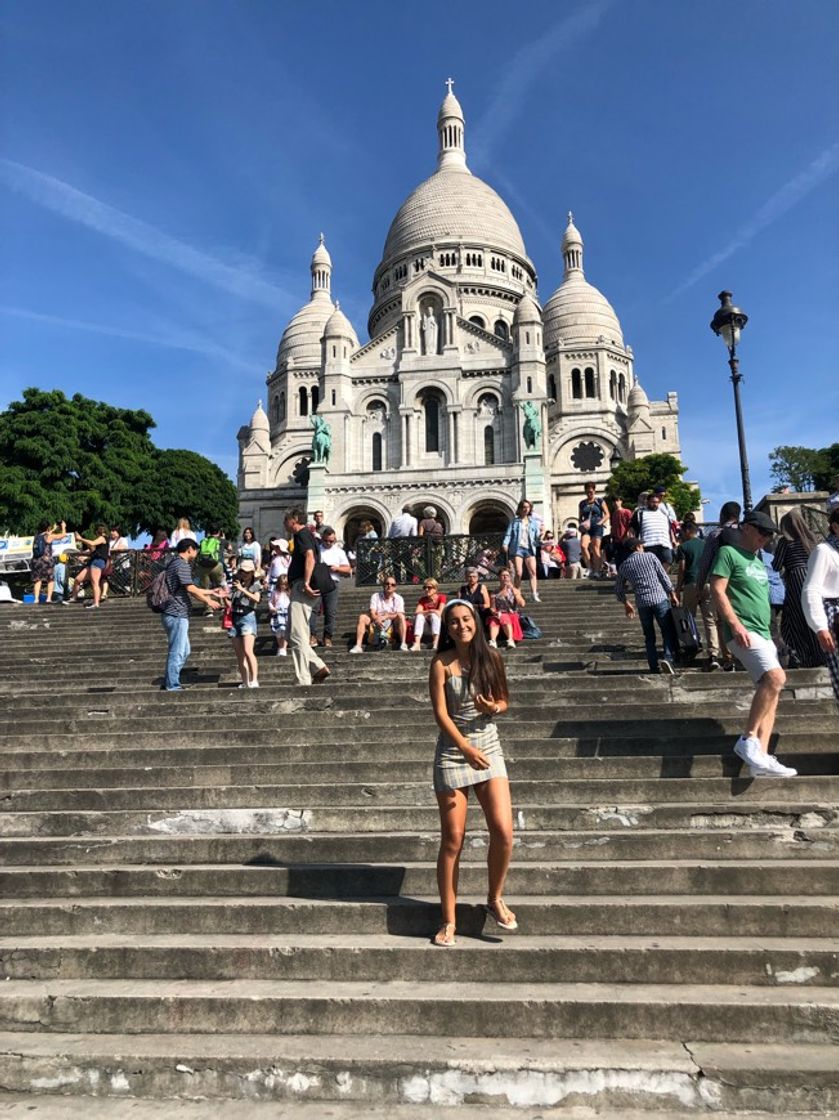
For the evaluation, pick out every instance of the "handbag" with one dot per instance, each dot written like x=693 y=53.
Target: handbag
x=227 y=617
x=529 y=628
x=321 y=579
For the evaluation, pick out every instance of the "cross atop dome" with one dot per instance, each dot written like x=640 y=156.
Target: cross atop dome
x=449 y=84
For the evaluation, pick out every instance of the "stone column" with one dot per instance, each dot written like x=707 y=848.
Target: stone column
x=316 y=490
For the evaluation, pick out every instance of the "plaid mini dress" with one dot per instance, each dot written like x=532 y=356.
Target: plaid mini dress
x=451 y=770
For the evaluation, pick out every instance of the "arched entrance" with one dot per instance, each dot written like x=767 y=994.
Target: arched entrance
x=488 y=517
x=352 y=524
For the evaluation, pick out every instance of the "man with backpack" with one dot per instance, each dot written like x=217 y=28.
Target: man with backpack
x=209 y=569
x=169 y=596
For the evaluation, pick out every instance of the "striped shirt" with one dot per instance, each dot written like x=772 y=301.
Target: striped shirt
x=653 y=527
x=646 y=575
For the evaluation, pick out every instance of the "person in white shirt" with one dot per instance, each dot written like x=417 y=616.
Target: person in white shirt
x=183 y=532
x=386 y=614
x=280 y=561
x=404 y=525
x=820 y=597
x=653 y=527
x=332 y=554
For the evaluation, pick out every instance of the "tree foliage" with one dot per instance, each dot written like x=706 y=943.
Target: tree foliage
x=632 y=477
x=805 y=468
x=84 y=461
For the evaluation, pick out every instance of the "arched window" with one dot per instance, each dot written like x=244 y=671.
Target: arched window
x=489 y=445
x=478 y=321
x=589 y=380
x=530 y=384
x=377 y=451
x=432 y=423
x=501 y=329
x=315 y=398
x=613 y=384
x=282 y=406
x=551 y=386
x=276 y=409
x=621 y=388
x=303 y=397
x=333 y=397
x=576 y=385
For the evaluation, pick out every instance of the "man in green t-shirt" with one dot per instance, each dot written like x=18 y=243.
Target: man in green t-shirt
x=688 y=556
x=740 y=589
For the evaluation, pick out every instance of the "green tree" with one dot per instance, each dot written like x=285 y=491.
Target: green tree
x=797 y=467
x=631 y=477
x=828 y=470
x=84 y=461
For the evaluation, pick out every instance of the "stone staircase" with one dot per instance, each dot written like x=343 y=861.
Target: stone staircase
x=223 y=899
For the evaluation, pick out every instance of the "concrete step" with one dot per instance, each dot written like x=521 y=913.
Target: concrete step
x=769 y=879
x=36 y=812
x=617 y=768
x=523 y=959
x=236 y=747
x=281 y=837
x=199 y=1077
x=708 y=1012
x=729 y=915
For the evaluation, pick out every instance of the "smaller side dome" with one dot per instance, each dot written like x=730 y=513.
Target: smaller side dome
x=259 y=420
x=637 y=398
x=339 y=326
x=572 y=235
x=528 y=310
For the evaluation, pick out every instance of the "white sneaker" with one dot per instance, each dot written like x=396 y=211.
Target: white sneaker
x=282 y=653
x=751 y=752
x=537 y=598
x=511 y=644
x=492 y=643
x=666 y=667
x=404 y=648
x=357 y=649
x=253 y=684
x=772 y=767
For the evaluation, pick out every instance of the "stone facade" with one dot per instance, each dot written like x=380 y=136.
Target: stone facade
x=429 y=411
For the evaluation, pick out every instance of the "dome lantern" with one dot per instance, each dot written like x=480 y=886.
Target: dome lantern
x=572 y=247
x=321 y=270
x=451 y=127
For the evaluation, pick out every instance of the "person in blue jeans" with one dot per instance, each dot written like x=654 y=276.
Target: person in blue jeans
x=175 y=614
x=654 y=593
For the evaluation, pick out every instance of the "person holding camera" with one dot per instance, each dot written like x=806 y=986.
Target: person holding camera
x=244 y=598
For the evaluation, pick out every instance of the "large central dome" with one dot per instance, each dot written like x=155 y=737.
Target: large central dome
x=453 y=205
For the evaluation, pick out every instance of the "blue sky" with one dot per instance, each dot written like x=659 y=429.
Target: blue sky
x=167 y=166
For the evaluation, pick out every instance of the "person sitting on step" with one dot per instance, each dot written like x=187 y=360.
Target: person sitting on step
x=506 y=604
x=386 y=617
x=429 y=609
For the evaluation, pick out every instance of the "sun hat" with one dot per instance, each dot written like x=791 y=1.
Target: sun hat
x=247 y=566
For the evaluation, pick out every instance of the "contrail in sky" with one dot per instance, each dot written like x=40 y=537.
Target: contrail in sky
x=196 y=345
x=525 y=67
x=791 y=193
x=61 y=198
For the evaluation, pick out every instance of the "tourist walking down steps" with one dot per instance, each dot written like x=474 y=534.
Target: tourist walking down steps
x=175 y=614
x=308 y=667
x=468 y=688
x=820 y=597
x=740 y=588
x=792 y=555
x=654 y=593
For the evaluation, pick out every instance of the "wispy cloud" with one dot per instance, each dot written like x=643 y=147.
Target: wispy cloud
x=175 y=340
x=791 y=193
x=62 y=198
x=524 y=69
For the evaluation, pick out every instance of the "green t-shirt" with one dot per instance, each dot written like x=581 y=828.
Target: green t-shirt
x=691 y=552
x=748 y=588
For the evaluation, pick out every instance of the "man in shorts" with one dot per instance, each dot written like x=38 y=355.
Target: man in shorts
x=740 y=589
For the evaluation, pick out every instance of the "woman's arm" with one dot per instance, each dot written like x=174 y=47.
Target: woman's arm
x=485 y=603
x=437 y=691
x=812 y=601
x=519 y=598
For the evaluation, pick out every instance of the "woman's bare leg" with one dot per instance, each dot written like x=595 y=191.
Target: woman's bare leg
x=239 y=650
x=494 y=798
x=249 y=657
x=517 y=569
x=95 y=583
x=531 y=571
x=36 y=591
x=585 y=540
x=453 y=805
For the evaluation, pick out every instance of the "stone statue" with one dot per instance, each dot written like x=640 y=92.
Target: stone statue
x=321 y=440
x=429 y=330
x=532 y=428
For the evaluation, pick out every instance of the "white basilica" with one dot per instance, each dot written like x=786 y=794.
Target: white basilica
x=429 y=411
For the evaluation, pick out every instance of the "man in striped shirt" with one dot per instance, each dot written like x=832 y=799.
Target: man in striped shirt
x=654 y=529
x=654 y=593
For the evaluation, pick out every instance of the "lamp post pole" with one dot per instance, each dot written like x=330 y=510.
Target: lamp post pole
x=728 y=322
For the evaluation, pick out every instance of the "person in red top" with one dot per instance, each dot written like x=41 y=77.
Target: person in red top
x=620 y=529
x=430 y=609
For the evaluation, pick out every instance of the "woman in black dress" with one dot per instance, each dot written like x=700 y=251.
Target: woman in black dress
x=791 y=555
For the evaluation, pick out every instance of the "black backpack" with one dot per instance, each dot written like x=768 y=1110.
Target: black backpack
x=39 y=547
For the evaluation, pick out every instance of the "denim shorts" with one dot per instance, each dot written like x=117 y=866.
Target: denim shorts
x=98 y=563
x=244 y=625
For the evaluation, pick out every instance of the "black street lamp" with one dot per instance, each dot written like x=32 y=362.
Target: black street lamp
x=727 y=322
x=616 y=459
